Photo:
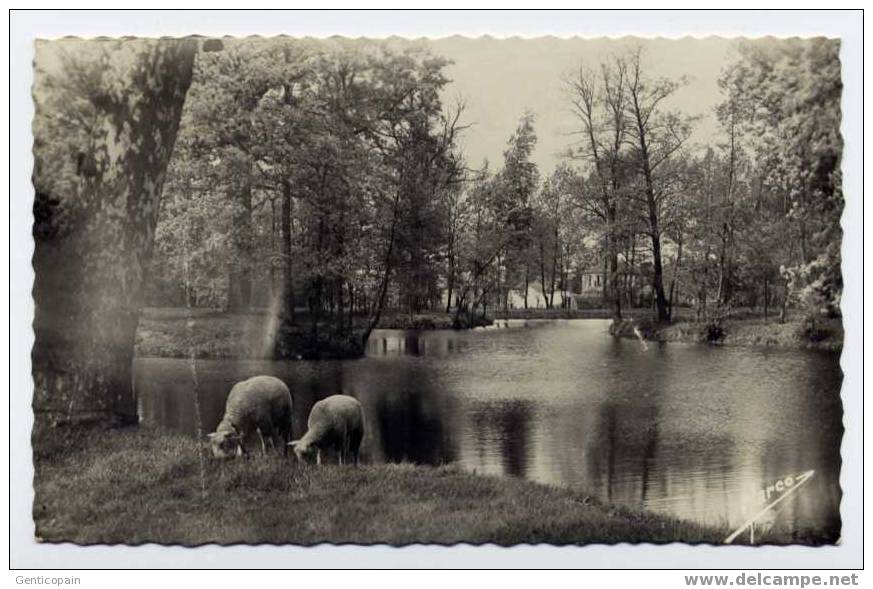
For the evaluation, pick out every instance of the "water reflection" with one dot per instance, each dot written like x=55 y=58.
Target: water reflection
x=689 y=430
x=505 y=428
x=395 y=342
x=411 y=430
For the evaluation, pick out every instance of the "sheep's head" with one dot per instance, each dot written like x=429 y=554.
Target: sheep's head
x=302 y=450
x=225 y=444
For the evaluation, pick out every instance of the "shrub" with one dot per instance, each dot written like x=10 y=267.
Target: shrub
x=814 y=329
x=713 y=331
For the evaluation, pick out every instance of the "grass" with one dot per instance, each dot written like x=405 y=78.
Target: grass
x=177 y=332
x=133 y=486
x=166 y=333
x=745 y=330
x=430 y=320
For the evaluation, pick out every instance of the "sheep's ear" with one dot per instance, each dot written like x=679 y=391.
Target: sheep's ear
x=294 y=443
x=211 y=436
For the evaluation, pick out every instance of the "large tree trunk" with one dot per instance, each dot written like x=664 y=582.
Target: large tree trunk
x=642 y=114
x=91 y=248
x=663 y=313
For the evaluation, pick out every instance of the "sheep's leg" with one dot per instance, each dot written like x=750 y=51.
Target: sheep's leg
x=318 y=457
x=355 y=446
x=274 y=443
x=272 y=440
x=344 y=449
x=263 y=443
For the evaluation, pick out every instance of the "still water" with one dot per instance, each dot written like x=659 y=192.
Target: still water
x=689 y=430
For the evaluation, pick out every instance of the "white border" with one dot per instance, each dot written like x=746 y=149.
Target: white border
x=25 y=26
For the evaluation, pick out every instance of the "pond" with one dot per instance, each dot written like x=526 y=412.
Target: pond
x=693 y=431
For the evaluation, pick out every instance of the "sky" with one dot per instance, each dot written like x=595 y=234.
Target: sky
x=501 y=78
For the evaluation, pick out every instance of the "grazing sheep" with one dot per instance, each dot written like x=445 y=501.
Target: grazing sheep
x=335 y=422
x=260 y=405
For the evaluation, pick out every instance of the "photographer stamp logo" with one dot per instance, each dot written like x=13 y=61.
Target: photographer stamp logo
x=772 y=495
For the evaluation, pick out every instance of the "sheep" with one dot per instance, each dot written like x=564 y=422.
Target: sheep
x=260 y=405
x=335 y=422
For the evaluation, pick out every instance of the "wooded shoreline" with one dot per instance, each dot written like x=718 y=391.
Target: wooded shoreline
x=216 y=334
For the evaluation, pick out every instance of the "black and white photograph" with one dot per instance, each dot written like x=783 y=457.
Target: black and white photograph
x=401 y=290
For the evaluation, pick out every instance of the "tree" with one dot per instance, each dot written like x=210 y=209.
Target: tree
x=458 y=210
x=599 y=101
x=699 y=208
x=345 y=159
x=106 y=121
x=518 y=181
x=193 y=245
x=480 y=246
x=417 y=143
x=222 y=125
x=554 y=229
x=786 y=100
x=657 y=135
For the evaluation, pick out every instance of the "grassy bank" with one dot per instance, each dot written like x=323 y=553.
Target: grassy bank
x=141 y=485
x=175 y=332
x=820 y=334
x=431 y=320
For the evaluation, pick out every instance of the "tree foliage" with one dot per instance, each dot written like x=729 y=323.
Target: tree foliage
x=785 y=98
